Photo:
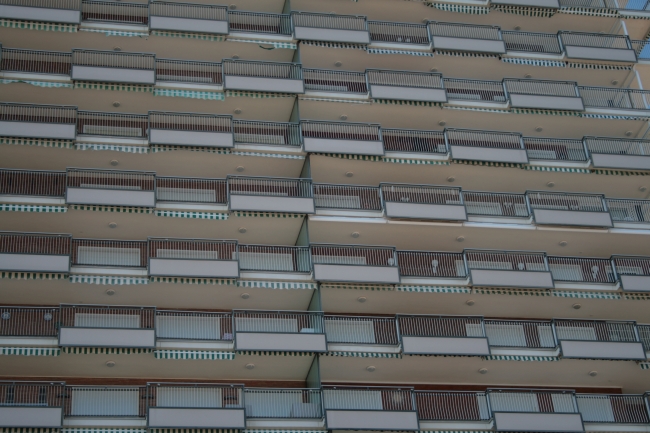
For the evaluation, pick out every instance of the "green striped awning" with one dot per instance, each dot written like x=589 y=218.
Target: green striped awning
x=334 y=45
x=267 y=214
x=183 y=35
x=166 y=148
x=404 y=52
x=644 y=365
x=107 y=32
x=599 y=66
x=513 y=292
x=344 y=101
x=113 y=147
x=534 y=62
x=488 y=163
x=268 y=155
x=432 y=289
x=607 y=116
x=38 y=83
x=414 y=161
x=193 y=430
x=611 y=13
x=459 y=431
x=273 y=44
x=371 y=287
x=557 y=169
x=585 y=295
x=355 y=157
x=110 y=280
x=545 y=112
x=102 y=430
x=32 y=276
x=277 y=285
x=257 y=95
x=520 y=358
x=199 y=281
x=28 y=430
x=113 y=87
x=30 y=351
x=115 y=209
x=459 y=8
x=30 y=25
x=63 y=144
x=104 y=350
x=466 y=54
x=485 y=110
x=272 y=353
x=194 y=94
x=278 y=431
x=525 y=11
x=365 y=354
x=637 y=296
x=8 y=207
x=411 y=103
x=622 y=173
x=192 y=215
x=194 y=354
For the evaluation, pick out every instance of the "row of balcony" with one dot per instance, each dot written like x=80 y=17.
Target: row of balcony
x=202 y=405
x=293 y=331
x=203 y=258
x=299 y=195
x=211 y=130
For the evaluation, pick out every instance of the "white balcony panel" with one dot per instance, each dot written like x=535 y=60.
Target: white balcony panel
x=40 y=14
x=113 y=75
x=193 y=268
x=34 y=263
x=188 y=25
x=34 y=417
x=547 y=102
x=572 y=218
x=446 y=345
x=61 y=131
x=467 y=44
x=534 y=422
x=260 y=84
x=552 y=4
x=170 y=417
x=110 y=197
x=602 y=350
x=633 y=162
x=353 y=147
x=635 y=283
x=356 y=274
x=371 y=420
x=596 y=53
x=261 y=203
x=426 y=211
x=107 y=337
x=471 y=153
x=407 y=93
x=291 y=342
x=505 y=278
x=191 y=138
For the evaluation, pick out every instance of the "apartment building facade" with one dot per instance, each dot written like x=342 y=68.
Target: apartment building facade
x=295 y=216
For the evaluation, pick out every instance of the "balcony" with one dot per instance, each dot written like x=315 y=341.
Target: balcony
x=112 y=127
x=598 y=339
x=113 y=13
x=443 y=335
x=191 y=193
x=188 y=74
x=194 y=258
x=272 y=134
x=521 y=337
x=629 y=213
x=632 y=102
x=406 y=86
x=183 y=17
x=267 y=194
x=424 y=202
x=475 y=93
x=289 y=331
x=116 y=406
x=275 y=26
x=619 y=153
x=621 y=412
x=466 y=37
x=104 y=326
x=257 y=76
x=594 y=46
x=486 y=146
x=270 y=261
x=414 y=143
x=190 y=129
x=508 y=269
x=110 y=187
x=534 y=410
x=421 y=267
x=633 y=273
x=350 y=29
x=446 y=410
x=195 y=406
x=362 y=334
x=348 y=199
x=272 y=407
x=582 y=273
x=567 y=209
x=53 y=11
x=371 y=408
x=31 y=405
x=29 y=326
x=340 y=137
x=32 y=186
x=496 y=207
x=345 y=84
x=58 y=122
x=544 y=95
x=401 y=36
x=35 y=63
x=34 y=252
x=355 y=264
x=195 y=330
x=99 y=256
x=113 y=67
x=556 y=151
x=529 y=44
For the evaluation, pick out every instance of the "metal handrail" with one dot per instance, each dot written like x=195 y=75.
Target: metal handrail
x=595 y=330
x=187 y=10
x=489 y=139
x=270 y=186
x=109 y=253
x=340 y=130
x=193 y=325
x=475 y=90
x=629 y=210
x=39 y=183
x=368 y=398
x=582 y=269
x=595 y=40
x=192 y=249
x=191 y=190
x=113 y=59
x=329 y=21
x=255 y=68
x=619 y=409
x=425 y=80
x=35 y=61
x=466 y=31
x=190 y=121
x=283 y=322
x=541 y=87
x=274 y=403
x=325 y=80
x=530 y=334
x=348 y=197
x=356 y=255
x=267 y=133
x=617 y=146
x=566 y=201
x=441 y=326
x=400 y=33
x=532 y=401
x=555 y=149
x=189 y=71
x=361 y=330
x=452 y=406
x=429 y=264
x=73 y=5
x=112 y=11
x=496 y=204
x=123 y=125
x=259 y=22
x=29 y=321
x=110 y=179
x=32 y=394
x=414 y=141
x=107 y=316
x=38 y=113
x=614 y=98
x=527 y=261
x=35 y=243
x=421 y=194
x=270 y=258
x=631 y=265
x=544 y=43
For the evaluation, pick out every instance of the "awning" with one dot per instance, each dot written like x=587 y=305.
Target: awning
x=405 y=52
x=622 y=173
x=102 y=430
x=334 y=45
x=32 y=208
x=520 y=358
x=644 y=365
x=371 y=287
x=636 y=296
x=38 y=83
x=365 y=354
x=344 y=101
x=28 y=430
x=112 y=86
x=168 y=148
x=192 y=215
x=115 y=209
x=193 y=430
x=275 y=44
x=414 y=161
x=63 y=144
x=110 y=280
x=30 y=351
x=546 y=112
x=258 y=95
x=525 y=11
x=276 y=284
x=199 y=281
x=411 y=103
x=268 y=155
x=513 y=292
x=489 y=164
x=107 y=32
x=31 y=25
x=557 y=169
x=278 y=431
x=267 y=214
x=612 y=13
x=432 y=289
x=104 y=350
x=32 y=276
x=458 y=8
x=585 y=295
x=194 y=94
x=194 y=354
x=183 y=35
x=112 y=147
x=534 y=62
x=272 y=353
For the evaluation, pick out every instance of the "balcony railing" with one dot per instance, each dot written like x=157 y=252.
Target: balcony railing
x=425 y=264
x=106 y=401
x=594 y=46
x=495 y=204
x=112 y=66
x=406 y=85
x=452 y=406
x=193 y=325
x=56 y=11
x=479 y=91
x=598 y=339
x=423 y=202
x=29 y=322
x=323 y=80
x=515 y=407
x=641 y=49
x=268 y=403
x=35 y=252
x=118 y=125
x=558 y=208
x=202 y=18
x=466 y=37
x=354 y=263
x=267 y=133
x=618 y=153
x=109 y=253
x=190 y=129
x=543 y=94
x=615 y=99
x=644 y=336
x=38 y=121
x=266 y=194
x=342 y=137
x=262 y=76
x=508 y=269
x=35 y=61
x=486 y=146
x=201 y=258
x=633 y=272
x=188 y=71
x=347 y=197
x=538 y=43
x=613 y=409
x=330 y=27
x=555 y=149
x=361 y=330
x=115 y=12
x=520 y=334
x=265 y=258
x=582 y=270
x=259 y=22
x=387 y=32
x=50 y=184
x=191 y=190
x=110 y=187
x=414 y=141
x=443 y=335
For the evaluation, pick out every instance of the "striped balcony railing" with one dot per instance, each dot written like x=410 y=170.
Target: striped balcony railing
x=109 y=253
x=555 y=149
x=117 y=125
x=520 y=334
x=35 y=61
x=106 y=402
x=472 y=145
x=328 y=81
x=569 y=209
x=342 y=137
x=613 y=409
x=267 y=258
x=360 y=330
x=29 y=321
x=443 y=335
x=582 y=270
x=398 y=35
x=268 y=194
x=191 y=190
x=38 y=121
x=32 y=404
x=190 y=129
x=533 y=43
x=188 y=71
x=436 y=407
x=330 y=28
x=355 y=263
x=633 y=273
x=496 y=204
x=607 y=99
x=406 y=85
x=623 y=153
x=113 y=67
x=426 y=202
x=274 y=404
x=54 y=11
x=195 y=405
x=475 y=92
x=114 y=12
x=35 y=252
x=260 y=76
x=377 y=408
x=595 y=46
x=543 y=94
x=259 y=22
x=267 y=133
x=193 y=325
x=629 y=211
x=598 y=339
x=196 y=258
x=414 y=141
x=110 y=187
x=427 y=264
x=290 y=331
x=466 y=37
x=33 y=183
x=107 y=326
x=347 y=197
x=525 y=409
x=185 y=17
x=508 y=269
